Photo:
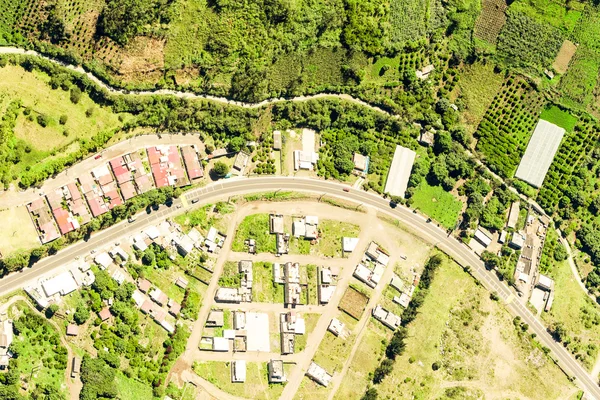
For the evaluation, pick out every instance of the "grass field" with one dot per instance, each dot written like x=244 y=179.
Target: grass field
x=436 y=203
x=310 y=321
x=333 y=352
x=555 y=13
x=576 y=312
x=477 y=87
x=256 y=385
x=559 y=117
x=230 y=278
x=34 y=92
x=365 y=360
x=255 y=227
x=478 y=348
x=131 y=389
x=19 y=232
x=332 y=232
x=264 y=290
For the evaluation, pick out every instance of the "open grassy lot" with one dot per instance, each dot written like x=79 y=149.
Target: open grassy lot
x=576 y=312
x=312 y=282
x=476 y=345
x=19 y=231
x=332 y=232
x=333 y=352
x=436 y=203
x=230 y=278
x=353 y=302
x=556 y=13
x=310 y=321
x=559 y=117
x=256 y=385
x=477 y=87
x=309 y=390
x=365 y=360
x=264 y=290
x=255 y=227
x=35 y=93
x=129 y=388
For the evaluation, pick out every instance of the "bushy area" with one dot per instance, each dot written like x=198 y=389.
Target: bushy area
x=527 y=42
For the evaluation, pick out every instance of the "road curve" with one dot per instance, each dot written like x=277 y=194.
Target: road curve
x=428 y=231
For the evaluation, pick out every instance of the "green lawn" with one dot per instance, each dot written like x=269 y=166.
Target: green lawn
x=256 y=385
x=34 y=92
x=576 y=312
x=264 y=290
x=436 y=203
x=255 y=227
x=559 y=117
x=131 y=389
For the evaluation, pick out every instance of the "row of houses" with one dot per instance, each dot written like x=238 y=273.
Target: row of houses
x=107 y=186
x=371 y=268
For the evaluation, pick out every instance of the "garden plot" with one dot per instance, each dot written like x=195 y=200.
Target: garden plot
x=563 y=58
x=491 y=20
x=540 y=152
x=353 y=303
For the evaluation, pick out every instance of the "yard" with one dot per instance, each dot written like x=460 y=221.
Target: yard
x=436 y=203
x=333 y=352
x=475 y=341
x=19 y=231
x=310 y=321
x=353 y=303
x=576 y=313
x=255 y=227
x=230 y=278
x=129 y=388
x=331 y=234
x=256 y=385
x=264 y=290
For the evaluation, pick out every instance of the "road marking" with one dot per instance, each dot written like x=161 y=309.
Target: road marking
x=509 y=299
x=184 y=200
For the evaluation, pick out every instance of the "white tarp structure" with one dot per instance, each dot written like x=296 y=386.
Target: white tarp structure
x=63 y=284
x=540 y=152
x=397 y=180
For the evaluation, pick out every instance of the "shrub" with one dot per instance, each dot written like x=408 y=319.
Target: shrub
x=43 y=120
x=63 y=119
x=75 y=95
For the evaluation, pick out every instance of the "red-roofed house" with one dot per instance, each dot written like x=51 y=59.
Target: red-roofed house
x=97 y=206
x=72 y=330
x=104 y=314
x=42 y=219
x=128 y=190
x=66 y=222
x=146 y=306
x=192 y=162
x=114 y=199
x=166 y=166
x=174 y=308
x=74 y=193
x=144 y=285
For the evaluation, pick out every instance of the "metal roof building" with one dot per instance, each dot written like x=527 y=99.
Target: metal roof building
x=540 y=152
x=397 y=179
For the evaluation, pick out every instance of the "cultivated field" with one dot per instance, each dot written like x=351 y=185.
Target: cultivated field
x=491 y=20
x=353 y=303
x=563 y=58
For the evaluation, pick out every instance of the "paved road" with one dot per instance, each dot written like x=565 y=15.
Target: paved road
x=428 y=231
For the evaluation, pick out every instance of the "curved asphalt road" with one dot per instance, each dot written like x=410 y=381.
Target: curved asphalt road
x=428 y=231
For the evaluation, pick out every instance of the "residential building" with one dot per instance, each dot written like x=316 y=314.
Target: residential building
x=513 y=215
x=43 y=221
x=215 y=319
x=238 y=371
x=337 y=327
x=305 y=160
x=276 y=371
x=72 y=330
x=318 y=374
x=192 y=163
x=361 y=164
x=276 y=140
x=166 y=165
x=387 y=318
x=276 y=223
x=6 y=339
x=241 y=161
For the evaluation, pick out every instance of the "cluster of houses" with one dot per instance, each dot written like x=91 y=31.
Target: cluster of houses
x=154 y=302
x=107 y=186
x=244 y=292
x=371 y=268
x=250 y=332
x=405 y=290
x=275 y=368
x=302 y=228
x=327 y=283
x=288 y=274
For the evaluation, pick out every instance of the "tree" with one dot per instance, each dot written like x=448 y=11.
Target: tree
x=121 y=20
x=370 y=394
x=396 y=346
x=43 y=120
x=236 y=144
x=560 y=253
x=82 y=314
x=383 y=370
x=63 y=119
x=75 y=95
x=559 y=332
x=220 y=169
x=51 y=310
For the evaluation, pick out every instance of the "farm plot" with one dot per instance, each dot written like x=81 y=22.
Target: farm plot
x=561 y=14
x=505 y=129
x=408 y=20
x=491 y=20
x=353 y=303
x=563 y=58
x=570 y=158
x=578 y=84
x=526 y=42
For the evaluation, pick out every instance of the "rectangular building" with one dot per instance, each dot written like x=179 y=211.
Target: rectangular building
x=399 y=173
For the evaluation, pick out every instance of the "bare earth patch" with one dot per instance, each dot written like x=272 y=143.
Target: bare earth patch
x=143 y=58
x=353 y=303
x=563 y=58
x=18 y=232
